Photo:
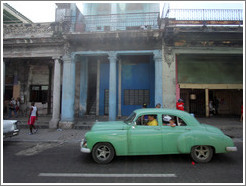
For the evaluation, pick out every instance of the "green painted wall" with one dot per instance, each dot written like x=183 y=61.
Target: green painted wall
x=210 y=69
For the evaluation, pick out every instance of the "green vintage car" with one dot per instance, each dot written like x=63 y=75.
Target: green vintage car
x=138 y=136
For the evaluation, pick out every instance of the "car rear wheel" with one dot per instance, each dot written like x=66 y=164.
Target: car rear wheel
x=201 y=153
x=103 y=153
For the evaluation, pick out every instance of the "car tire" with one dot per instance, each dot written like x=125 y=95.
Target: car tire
x=202 y=153
x=103 y=153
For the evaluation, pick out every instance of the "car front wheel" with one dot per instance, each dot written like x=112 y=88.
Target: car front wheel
x=103 y=153
x=201 y=153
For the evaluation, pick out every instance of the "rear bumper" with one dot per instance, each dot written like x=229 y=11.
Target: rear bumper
x=12 y=133
x=83 y=148
x=231 y=149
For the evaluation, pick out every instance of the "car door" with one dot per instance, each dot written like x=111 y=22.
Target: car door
x=171 y=136
x=144 y=139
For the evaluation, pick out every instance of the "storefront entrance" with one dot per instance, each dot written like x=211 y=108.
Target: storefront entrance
x=228 y=101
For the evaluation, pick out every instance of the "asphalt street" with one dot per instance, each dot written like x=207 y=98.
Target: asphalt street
x=62 y=162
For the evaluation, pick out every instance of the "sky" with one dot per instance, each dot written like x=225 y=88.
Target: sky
x=44 y=11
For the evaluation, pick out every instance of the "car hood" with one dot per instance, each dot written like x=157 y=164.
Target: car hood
x=213 y=129
x=110 y=125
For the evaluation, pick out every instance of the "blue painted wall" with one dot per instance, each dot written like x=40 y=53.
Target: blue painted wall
x=137 y=76
x=134 y=76
x=104 y=84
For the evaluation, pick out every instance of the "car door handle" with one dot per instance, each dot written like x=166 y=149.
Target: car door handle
x=187 y=128
x=157 y=128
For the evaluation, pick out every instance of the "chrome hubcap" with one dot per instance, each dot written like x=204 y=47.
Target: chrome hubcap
x=103 y=152
x=202 y=152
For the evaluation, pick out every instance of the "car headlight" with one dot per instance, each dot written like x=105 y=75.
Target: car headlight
x=84 y=143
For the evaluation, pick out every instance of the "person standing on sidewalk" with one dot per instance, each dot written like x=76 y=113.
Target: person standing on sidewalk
x=158 y=105
x=33 y=116
x=180 y=105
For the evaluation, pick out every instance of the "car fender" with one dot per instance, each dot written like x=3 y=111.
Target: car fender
x=218 y=141
x=117 y=138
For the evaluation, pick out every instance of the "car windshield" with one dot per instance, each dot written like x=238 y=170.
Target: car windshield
x=130 y=118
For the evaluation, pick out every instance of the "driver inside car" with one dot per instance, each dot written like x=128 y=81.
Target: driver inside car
x=152 y=121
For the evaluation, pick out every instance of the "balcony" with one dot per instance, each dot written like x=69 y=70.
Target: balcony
x=118 y=22
x=203 y=16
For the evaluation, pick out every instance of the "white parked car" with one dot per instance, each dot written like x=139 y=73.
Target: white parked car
x=10 y=128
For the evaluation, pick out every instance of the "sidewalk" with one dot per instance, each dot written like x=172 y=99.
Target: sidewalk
x=230 y=126
x=49 y=135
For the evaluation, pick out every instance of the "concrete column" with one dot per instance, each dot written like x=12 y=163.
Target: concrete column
x=49 y=90
x=169 y=78
x=119 y=90
x=16 y=85
x=177 y=84
x=68 y=92
x=98 y=87
x=83 y=86
x=158 y=76
x=112 y=86
x=73 y=16
x=113 y=17
x=207 y=102
x=56 y=95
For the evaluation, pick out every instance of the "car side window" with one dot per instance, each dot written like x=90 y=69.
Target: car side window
x=170 y=120
x=181 y=122
x=147 y=120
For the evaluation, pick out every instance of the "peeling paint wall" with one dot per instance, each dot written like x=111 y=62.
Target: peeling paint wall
x=206 y=69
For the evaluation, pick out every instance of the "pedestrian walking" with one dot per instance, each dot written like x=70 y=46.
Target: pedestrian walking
x=180 y=105
x=12 y=107
x=33 y=116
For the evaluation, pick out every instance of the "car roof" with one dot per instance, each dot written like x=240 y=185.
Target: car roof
x=182 y=114
x=159 y=110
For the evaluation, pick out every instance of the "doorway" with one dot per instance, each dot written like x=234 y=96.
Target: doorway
x=92 y=86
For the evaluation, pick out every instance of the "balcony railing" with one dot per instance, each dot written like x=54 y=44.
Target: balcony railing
x=114 y=22
x=204 y=14
x=22 y=30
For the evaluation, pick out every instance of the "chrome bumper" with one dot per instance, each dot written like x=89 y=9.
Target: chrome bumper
x=231 y=149
x=83 y=148
x=12 y=133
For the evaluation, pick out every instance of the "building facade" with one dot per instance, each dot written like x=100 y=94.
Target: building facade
x=109 y=59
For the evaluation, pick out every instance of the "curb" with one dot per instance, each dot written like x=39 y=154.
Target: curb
x=44 y=141
x=80 y=127
x=235 y=140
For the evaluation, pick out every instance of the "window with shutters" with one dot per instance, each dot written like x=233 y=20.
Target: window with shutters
x=136 y=96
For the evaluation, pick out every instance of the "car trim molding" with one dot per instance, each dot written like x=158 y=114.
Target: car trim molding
x=231 y=149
